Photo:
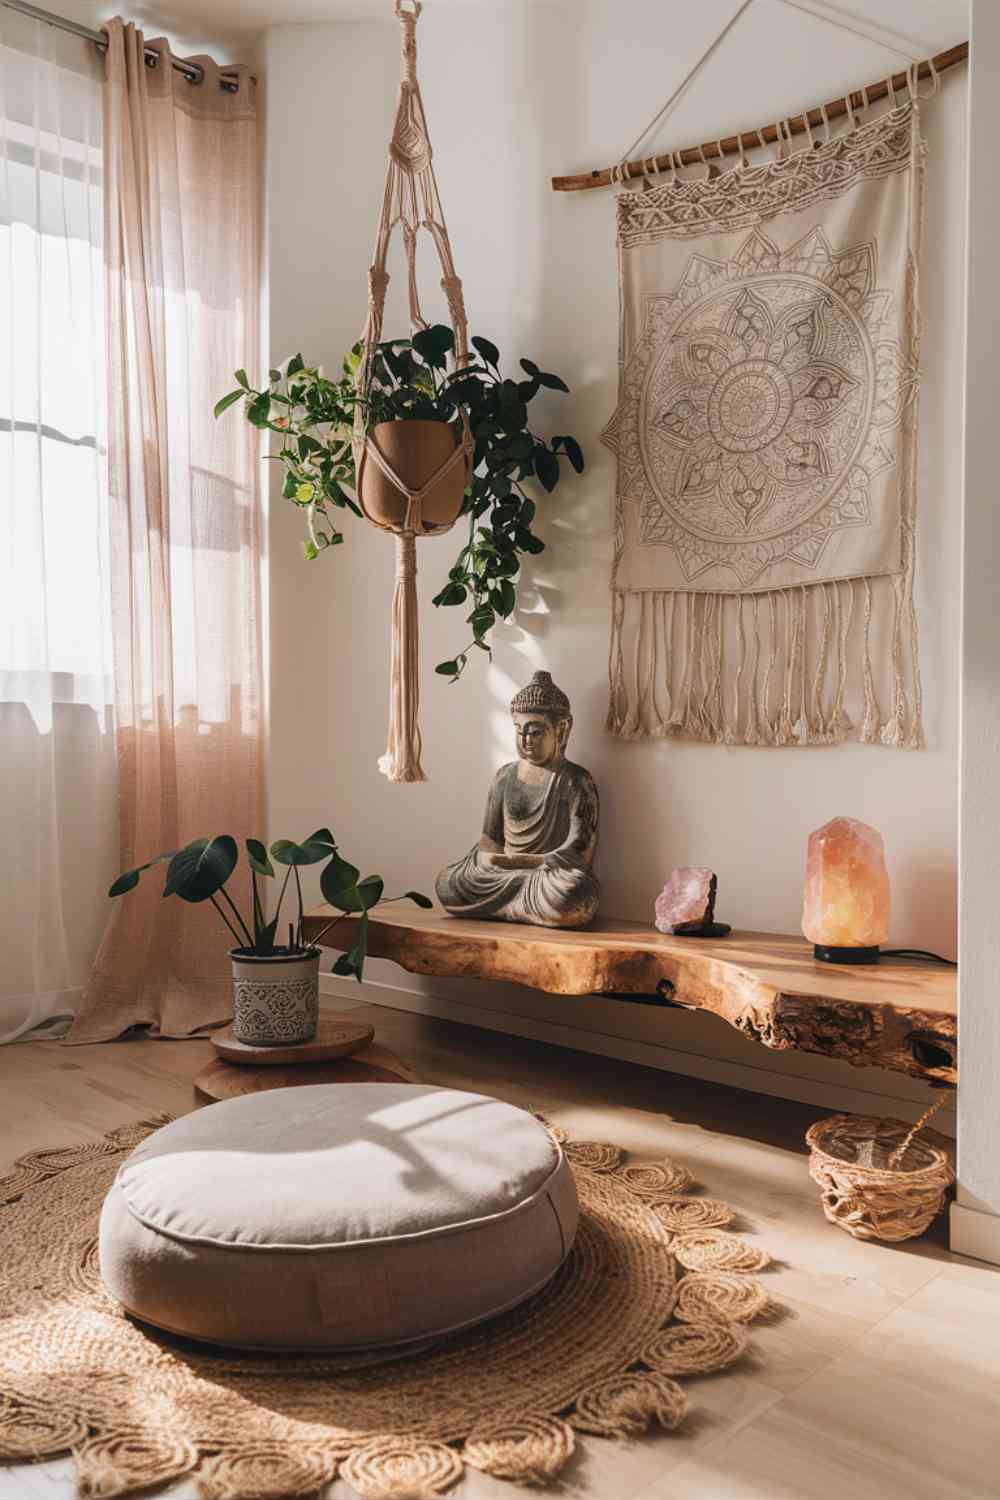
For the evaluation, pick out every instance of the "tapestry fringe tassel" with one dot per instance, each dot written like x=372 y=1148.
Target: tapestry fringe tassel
x=789 y=667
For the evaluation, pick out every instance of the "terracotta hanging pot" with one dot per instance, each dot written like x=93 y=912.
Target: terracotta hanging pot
x=414 y=452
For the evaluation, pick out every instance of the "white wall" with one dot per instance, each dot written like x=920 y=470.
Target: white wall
x=515 y=95
x=976 y=1216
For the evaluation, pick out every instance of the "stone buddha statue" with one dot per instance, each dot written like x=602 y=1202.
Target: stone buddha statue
x=533 y=861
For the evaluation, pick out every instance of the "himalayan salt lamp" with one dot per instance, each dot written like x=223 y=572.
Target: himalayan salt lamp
x=686 y=905
x=845 y=912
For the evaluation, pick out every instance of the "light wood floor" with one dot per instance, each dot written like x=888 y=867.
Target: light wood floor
x=881 y=1381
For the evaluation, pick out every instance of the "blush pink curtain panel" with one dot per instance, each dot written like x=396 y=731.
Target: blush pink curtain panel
x=181 y=252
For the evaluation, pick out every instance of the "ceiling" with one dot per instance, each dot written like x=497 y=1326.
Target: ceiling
x=926 y=25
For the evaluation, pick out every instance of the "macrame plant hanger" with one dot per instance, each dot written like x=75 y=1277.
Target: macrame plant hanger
x=411 y=201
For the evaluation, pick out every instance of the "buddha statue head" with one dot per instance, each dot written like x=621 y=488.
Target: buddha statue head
x=543 y=719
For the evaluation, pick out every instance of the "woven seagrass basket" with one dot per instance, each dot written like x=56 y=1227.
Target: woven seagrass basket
x=878 y=1182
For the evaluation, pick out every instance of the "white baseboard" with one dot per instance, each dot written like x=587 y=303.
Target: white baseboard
x=974 y=1233
x=839 y=1093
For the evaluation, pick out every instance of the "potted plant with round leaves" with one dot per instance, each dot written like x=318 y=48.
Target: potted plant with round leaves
x=411 y=385
x=275 y=985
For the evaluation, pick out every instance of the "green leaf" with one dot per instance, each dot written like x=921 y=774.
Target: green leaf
x=338 y=882
x=420 y=900
x=547 y=468
x=552 y=382
x=530 y=368
x=504 y=598
x=489 y=351
x=257 y=855
x=201 y=868
x=319 y=845
x=482 y=619
x=572 y=449
x=241 y=379
x=310 y=550
x=295 y=364
x=453 y=669
x=434 y=344
x=129 y=879
x=370 y=890
x=519 y=447
x=452 y=593
x=227 y=402
x=353 y=962
x=259 y=409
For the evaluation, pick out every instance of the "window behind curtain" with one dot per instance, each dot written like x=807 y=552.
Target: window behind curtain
x=57 y=753
x=53 y=529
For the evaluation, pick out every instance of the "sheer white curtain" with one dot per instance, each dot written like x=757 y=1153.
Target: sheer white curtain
x=57 y=745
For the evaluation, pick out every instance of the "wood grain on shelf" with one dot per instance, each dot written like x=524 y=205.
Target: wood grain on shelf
x=900 y=1014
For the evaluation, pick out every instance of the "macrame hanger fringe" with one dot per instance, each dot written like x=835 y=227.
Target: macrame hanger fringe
x=401 y=761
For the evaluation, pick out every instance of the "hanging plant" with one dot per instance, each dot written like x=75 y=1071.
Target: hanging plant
x=410 y=382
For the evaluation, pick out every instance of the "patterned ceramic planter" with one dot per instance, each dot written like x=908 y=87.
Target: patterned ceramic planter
x=275 y=999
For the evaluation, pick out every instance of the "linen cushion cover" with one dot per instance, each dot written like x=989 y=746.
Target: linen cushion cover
x=341 y=1216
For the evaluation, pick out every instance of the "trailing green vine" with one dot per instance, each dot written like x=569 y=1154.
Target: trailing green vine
x=410 y=381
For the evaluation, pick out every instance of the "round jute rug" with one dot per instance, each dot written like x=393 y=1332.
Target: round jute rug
x=599 y=1350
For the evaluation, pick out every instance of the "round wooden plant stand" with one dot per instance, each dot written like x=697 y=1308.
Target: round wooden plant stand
x=342 y=1051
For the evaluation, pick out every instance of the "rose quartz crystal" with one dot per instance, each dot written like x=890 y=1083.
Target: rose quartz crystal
x=688 y=896
x=846 y=901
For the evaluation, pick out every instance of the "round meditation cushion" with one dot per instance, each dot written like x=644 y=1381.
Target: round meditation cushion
x=340 y=1216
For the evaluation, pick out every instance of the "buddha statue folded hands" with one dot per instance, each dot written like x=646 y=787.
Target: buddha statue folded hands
x=533 y=861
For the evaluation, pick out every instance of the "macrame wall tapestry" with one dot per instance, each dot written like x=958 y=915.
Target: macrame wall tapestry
x=762 y=585
x=408 y=483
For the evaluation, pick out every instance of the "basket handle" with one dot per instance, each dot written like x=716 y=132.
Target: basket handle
x=908 y=1139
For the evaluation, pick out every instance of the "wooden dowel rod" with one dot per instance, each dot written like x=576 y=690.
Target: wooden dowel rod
x=731 y=144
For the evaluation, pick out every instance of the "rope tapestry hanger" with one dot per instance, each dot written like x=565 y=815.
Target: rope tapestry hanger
x=816 y=116
x=411 y=476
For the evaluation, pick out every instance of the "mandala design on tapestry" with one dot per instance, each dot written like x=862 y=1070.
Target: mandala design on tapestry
x=759 y=404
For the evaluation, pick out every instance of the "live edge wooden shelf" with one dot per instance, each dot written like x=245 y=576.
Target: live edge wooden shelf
x=899 y=1014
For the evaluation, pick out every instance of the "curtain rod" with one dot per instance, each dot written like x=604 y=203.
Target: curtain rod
x=193 y=72
x=747 y=140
